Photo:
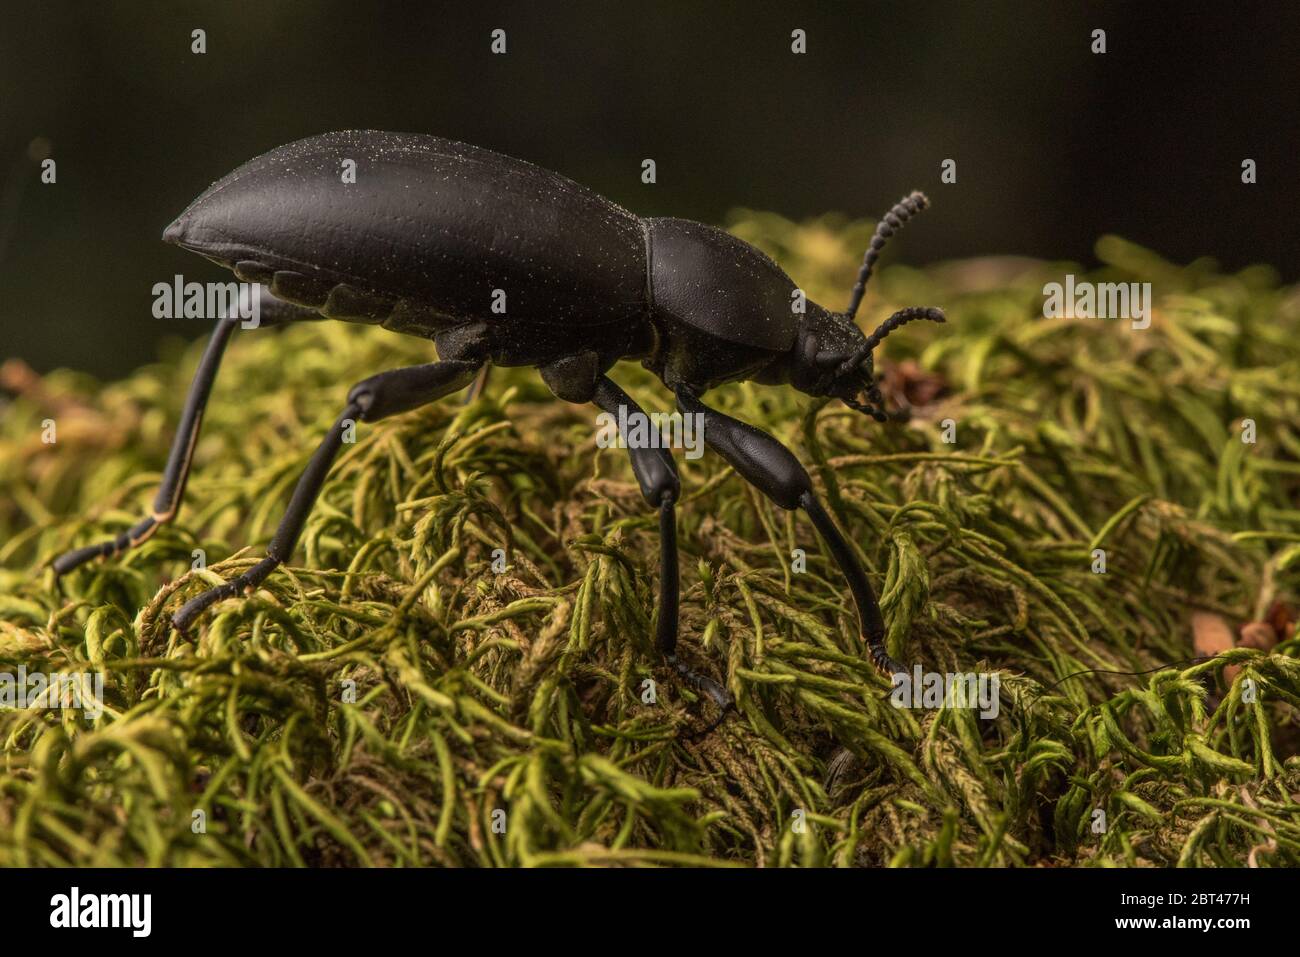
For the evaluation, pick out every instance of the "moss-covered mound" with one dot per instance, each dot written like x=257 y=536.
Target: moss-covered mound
x=394 y=699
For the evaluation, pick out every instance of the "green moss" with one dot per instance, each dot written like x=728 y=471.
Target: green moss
x=521 y=692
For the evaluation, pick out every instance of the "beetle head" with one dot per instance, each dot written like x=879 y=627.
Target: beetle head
x=833 y=358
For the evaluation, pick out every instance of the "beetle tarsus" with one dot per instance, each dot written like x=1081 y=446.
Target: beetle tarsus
x=881 y=660
x=79 y=556
x=114 y=546
x=236 y=586
x=710 y=688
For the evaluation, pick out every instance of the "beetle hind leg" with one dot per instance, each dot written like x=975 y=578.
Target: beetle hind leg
x=389 y=393
x=168 y=500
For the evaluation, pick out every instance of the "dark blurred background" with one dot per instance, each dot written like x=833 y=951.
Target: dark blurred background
x=1054 y=145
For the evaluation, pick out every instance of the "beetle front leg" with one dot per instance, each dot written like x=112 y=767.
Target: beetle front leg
x=389 y=393
x=772 y=469
x=657 y=476
x=168 y=500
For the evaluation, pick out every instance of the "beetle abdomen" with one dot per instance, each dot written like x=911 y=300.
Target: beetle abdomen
x=342 y=301
x=430 y=233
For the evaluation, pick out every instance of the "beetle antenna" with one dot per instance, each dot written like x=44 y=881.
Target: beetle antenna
x=903 y=210
x=901 y=318
x=867 y=408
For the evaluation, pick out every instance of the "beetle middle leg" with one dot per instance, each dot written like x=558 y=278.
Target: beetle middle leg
x=389 y=393
x=579 y=379
x=657 y=476
x=771 y=468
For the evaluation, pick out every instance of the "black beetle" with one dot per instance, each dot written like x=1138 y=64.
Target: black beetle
x=433 y=232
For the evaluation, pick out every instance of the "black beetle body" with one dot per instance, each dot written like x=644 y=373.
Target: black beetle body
x=431 y=228
x=501 y=262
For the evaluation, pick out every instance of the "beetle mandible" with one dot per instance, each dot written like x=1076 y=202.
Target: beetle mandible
x=418 y=243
